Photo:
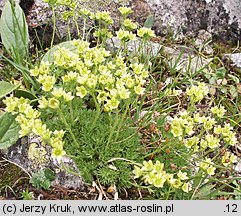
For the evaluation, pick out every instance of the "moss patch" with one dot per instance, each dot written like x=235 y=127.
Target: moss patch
x=10 y=173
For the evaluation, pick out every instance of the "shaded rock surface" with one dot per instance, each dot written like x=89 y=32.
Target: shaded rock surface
x=67 y=173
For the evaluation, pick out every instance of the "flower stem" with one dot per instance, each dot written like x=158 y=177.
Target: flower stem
x=98 y=111
x=113 y=127
x=62 y=117
x=120 y=124
x=54 y=27
x=71 y=113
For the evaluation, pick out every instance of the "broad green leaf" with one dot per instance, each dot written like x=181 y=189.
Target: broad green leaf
x=49 y=174
x=149 y=22
x=49 y=56
x=6 y=88
x=14 y=31
x=220 y=73
x=25 y=94
x=9 y=129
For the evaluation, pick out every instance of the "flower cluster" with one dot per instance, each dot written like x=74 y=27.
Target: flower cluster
x=154 y=174
x=89 y=72
x=125 y=36
x=204 y=133
x=208 y=134
x=207 y=166
x=69 y=3
x=182 y=125
x=145 y=33
x=228 y=159
x=125 y=11
x=129 y=25
x=219 y=111
x=102 y=17
x=30 y=123
x=197 y=93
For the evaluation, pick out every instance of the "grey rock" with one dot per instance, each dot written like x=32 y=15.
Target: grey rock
x=67 y=173
x=180 y=56
x=236 y=59
x=221 y=18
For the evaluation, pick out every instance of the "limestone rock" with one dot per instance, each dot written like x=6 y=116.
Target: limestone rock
x=236 y=59
x=221 y=18
x=19 y=154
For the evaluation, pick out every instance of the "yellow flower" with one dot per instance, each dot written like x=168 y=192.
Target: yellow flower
x=43 y=103
x=58 y=153
x=203 y=144
x=104 y=16
x=139 y=90
x=34 y=72
x=213 y=142
x=137 y=172
x=102 y=96
x=58 y=92
x=53 y=103
x=125 y=11
x=130 y=82
x=148 y=166
x=197 y=93
x=227 y=159
x=32 y=113
x=39 y=128
x=159 y=180
x=91 y=81
x=129 y=25
x=125 y=35
x=113 y=103
x=85 y=11
x=208 y=123
x=11 y=104
x=56 y=142
x=186 y=187
x=48 y=83
x=211 y=170
x=182 y=175
x=146 y=33
x=68 y=96
x=176 y=183
x=205 y=164
x=81 y=91
x=150 y=177
x=158 y=167
x=218 y=111
x=124 y=93
x=137 y=68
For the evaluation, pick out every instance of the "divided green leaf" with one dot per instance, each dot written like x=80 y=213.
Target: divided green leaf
x=149 y=22
x=43 y=178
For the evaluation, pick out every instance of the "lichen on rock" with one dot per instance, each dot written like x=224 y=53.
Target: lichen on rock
x=24 y=151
